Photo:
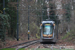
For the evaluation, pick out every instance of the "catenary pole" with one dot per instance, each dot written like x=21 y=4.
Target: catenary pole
x=3 y=6
x=17 y=23
x=28 y=23
x=3 y=13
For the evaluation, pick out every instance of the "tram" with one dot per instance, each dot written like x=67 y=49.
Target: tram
x=47 y=31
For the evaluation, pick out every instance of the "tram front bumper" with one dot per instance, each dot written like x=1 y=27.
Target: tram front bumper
x=47 y=39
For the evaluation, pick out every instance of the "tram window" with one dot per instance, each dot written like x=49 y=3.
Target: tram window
x=48 y=29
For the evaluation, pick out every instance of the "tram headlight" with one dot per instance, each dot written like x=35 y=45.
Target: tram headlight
x=53 y=24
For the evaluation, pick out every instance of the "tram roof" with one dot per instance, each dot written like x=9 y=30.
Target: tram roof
x=48 y=22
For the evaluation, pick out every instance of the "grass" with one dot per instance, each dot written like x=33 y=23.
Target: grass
x=22 y=49
x=12 y=49
x=33 y=49
x=67 y=49
x=8 y=49
x=50 y=49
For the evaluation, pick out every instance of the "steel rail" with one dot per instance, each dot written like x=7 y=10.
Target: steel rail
x=20 y=44
x=28 y=44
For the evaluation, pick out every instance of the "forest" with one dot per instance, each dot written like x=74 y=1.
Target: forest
x=36 y=10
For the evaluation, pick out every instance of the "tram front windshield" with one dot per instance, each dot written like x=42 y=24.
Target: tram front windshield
x=48 y=29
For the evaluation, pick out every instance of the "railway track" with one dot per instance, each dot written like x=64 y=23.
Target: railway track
x=51 y=46
x=27 y=44
x=37 y=45
x=23 y=45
